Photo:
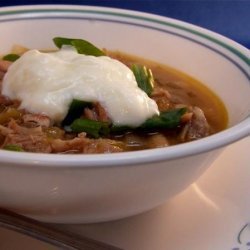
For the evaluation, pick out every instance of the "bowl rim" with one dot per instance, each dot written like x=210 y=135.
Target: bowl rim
x=212 y=142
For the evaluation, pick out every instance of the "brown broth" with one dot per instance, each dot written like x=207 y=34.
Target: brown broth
x=184 y=89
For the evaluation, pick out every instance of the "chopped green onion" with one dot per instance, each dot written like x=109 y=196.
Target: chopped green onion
x=13 y=147
x=11 y=57
x=120 y=129
x=92 y=128
x=75 y=111
x=60 y=41
x=144 y=78
x=82 y=46
x=168 y=119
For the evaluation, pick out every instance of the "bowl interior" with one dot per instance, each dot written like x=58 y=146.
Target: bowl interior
x=216 y=61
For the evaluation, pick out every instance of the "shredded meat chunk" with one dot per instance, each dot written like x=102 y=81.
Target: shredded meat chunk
x=75 y=145
x=35 y=140
x=29 y=139
x=5 y=101
x=4 y=131
x=90 y=114
x=37 y=119
x=82 y=144
x=97 y=113
x=197 y=127
x=162 y=98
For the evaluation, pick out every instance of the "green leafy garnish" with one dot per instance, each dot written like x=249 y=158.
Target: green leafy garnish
x=13 y=147
x=75 y=111
x=144 y=78
x=166 y=120
x=11 y=57
x=92 y=128
x=120 y=129
x=82 y=46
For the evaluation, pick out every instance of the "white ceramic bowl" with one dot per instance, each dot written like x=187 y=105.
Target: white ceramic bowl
x=92 y=188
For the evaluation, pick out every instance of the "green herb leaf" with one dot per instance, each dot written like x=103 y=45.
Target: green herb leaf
x=168 y=119
x=82 y=46
x=144 y=78
x=75 y=111
x=11 y=57
x=60 y=41
x=92 y=128
x=13 y=147
x=120 y=129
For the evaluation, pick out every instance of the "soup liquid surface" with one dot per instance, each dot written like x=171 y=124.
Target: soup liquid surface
x=183 y=89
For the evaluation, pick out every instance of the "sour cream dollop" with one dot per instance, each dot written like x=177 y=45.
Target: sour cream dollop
x=48 y=82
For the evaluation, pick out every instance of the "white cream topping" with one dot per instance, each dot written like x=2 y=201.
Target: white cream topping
x=48 y=82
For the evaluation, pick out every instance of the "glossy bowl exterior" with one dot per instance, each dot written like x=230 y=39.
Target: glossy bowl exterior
x=93 y=188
